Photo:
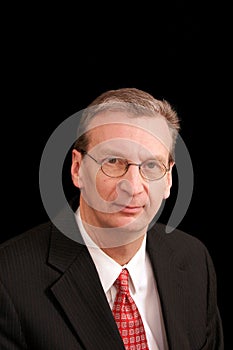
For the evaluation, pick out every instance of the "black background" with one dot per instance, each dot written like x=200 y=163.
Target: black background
x=57 y=60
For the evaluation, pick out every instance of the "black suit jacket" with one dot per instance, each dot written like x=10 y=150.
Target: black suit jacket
x=51 y=297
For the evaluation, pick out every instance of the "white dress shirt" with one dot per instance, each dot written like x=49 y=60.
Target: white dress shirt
x=142 y=286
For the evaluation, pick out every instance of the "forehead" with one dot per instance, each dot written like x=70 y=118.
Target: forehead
x=146 y=131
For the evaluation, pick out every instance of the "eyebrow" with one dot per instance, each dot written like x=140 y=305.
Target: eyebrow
x=118 y=153
x=113 y=152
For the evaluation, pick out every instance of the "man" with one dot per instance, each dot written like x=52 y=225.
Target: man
x=60 y=293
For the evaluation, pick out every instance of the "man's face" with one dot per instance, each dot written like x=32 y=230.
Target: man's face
x=127 y=203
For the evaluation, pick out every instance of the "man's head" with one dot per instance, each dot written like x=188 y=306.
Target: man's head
x=123 y=159
x=136 y=103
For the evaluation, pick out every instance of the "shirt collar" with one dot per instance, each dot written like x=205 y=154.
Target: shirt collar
x=108 y=269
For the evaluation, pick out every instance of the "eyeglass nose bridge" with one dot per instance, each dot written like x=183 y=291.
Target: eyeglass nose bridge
x=136 y=164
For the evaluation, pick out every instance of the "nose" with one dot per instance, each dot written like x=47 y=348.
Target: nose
x=132 y=181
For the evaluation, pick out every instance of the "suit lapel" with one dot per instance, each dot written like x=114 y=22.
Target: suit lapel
x=170 y=284
x=80 y=294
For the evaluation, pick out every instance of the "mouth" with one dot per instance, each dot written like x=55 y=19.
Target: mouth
x=131 y=209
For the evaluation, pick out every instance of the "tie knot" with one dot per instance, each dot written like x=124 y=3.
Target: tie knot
x=121 y=282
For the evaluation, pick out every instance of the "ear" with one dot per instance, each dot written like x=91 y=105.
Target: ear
x=75 y=168
x=168 y=180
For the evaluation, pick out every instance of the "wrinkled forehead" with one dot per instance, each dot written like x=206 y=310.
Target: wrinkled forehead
x=147 y=130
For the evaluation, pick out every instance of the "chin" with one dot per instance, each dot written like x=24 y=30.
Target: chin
x=129 y=224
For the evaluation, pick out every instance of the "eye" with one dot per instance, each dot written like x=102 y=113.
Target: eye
x=151 y=164
x=119 y=162
x=111 y=160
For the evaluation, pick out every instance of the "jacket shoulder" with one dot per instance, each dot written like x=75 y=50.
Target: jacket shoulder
x=33 y=239
x=183 y=247
x=174 y=237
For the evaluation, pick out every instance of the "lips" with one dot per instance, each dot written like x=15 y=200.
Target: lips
x=131 y=209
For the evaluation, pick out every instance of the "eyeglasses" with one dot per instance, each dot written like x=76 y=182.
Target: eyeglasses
x=114 y=167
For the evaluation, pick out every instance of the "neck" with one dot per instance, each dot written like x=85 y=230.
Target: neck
x=120 y=243
x=123 y=254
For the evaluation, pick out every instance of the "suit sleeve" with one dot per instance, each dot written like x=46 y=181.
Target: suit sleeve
x=11 y=336
x=215 y=338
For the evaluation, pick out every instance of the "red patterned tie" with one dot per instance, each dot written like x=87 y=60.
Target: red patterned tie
x=127 y=316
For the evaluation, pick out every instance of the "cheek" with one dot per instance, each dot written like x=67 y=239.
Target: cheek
x=106 y=187
x=157 y=192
